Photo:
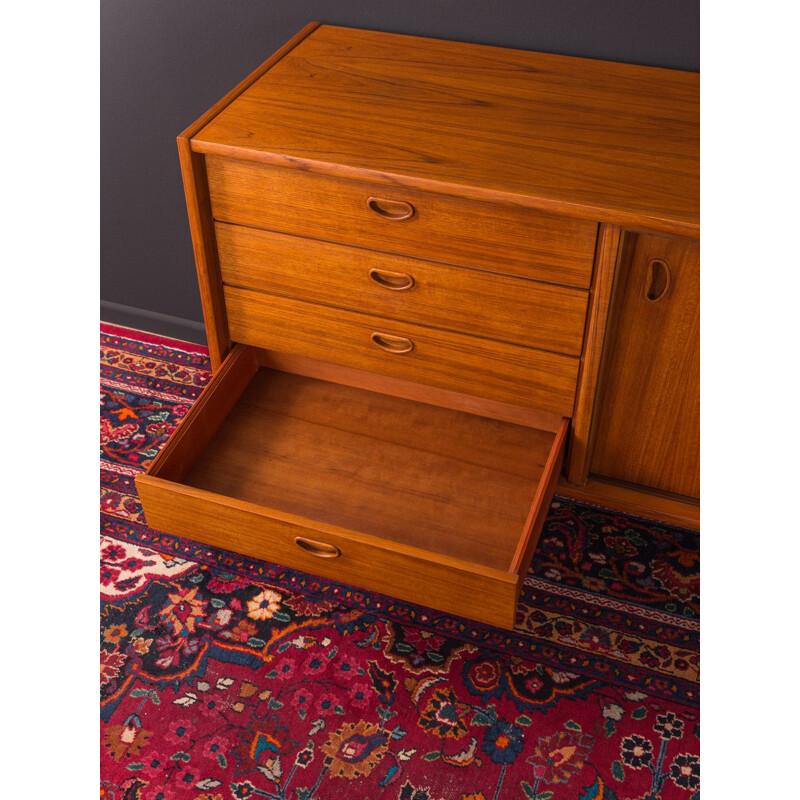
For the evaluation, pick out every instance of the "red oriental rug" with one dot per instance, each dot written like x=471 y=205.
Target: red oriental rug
x=224 y=677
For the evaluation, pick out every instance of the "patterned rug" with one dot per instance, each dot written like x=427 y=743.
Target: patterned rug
x=224 y=677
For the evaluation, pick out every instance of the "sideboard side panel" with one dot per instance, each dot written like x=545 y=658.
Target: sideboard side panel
x=205 y=253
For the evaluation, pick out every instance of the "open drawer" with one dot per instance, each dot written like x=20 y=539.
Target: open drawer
x=431 y=504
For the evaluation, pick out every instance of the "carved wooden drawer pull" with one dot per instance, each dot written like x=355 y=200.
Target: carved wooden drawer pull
x=392 y=344
x=396 y=281
x=319 y=549
x=396 y=210
x=658 y=279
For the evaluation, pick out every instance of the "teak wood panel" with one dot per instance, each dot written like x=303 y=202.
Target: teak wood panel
x=648 y=429
x=484 y=367
x=409 y=390
x=470 y=301
x=608 y=250
x=616 y=143
x=436 y=479
x=541 y=504
x=205 y=252
x=491 y=236
x=683 y=512
x=456 y=587
x=215 y=402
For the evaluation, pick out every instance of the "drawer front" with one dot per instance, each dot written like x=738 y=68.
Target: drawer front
x=500 y=238
x=483 y=367
x=466 y=300
x=330 y=552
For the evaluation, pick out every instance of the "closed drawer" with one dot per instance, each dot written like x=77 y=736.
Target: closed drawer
x=491 y=236
x=495 y=370
x=431 y=505
x=470 y=301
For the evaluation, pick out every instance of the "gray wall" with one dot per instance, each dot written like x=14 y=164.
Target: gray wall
x=164 y=62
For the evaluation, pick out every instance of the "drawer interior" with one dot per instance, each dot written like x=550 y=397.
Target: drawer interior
x=440 y=480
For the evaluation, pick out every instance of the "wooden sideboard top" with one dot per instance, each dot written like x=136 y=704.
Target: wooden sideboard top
x=599 y=140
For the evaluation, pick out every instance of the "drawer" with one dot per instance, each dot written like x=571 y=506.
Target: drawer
x=500 y=238
x=428 y=504
x=484 y=367
x=467 y=300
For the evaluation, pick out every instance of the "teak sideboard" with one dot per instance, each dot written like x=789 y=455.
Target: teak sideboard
x=437 y=278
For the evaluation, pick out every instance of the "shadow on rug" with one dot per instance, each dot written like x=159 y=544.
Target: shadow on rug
x=225 y=677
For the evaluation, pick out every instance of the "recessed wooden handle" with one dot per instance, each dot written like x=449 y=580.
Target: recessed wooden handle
x=396 y=281
x=392 y=344
x=319 y=549
x=658 y=279
x=396 y=210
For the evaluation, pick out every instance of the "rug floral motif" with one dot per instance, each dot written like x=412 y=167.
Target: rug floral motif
x=224 y=677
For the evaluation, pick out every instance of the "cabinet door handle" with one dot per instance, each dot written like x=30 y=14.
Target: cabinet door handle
x=658 y=279
x=396 y=281
x=319 y=549
x=392 y=344
x=396 y=210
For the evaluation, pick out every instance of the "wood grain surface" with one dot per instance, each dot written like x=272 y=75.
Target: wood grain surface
x=371 y=563
x=541 y=503
x=648 y=422
x=441 y=480
x=409 y=390
x=636 y=500
x=208 y=412
x=456 y=230
x=610 y=142
x=201 y=227
x=483 y=367
x=470 y=301
x=608 y=248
